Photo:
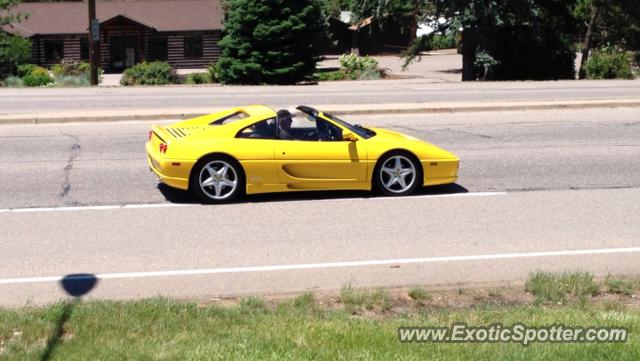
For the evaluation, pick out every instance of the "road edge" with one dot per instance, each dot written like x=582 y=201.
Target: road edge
x=338 y=109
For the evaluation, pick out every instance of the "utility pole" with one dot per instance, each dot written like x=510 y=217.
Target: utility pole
x=94 y=42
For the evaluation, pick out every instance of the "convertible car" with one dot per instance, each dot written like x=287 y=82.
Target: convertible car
x=254 y=149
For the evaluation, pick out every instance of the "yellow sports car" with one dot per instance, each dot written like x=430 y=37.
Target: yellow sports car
x=254 y=149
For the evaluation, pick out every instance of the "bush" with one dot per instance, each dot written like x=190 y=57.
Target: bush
x=14 y=51
x=353 y=64
x=154 y=73
x=610 y=63
x=13 y=82
x=198 y=78
x=71 y=67
x=38 y=76
x=72 y=72
x=72 y=80
x=26 y=69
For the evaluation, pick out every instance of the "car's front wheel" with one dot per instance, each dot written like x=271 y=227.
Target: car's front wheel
x=217 y=180
x=397 y=174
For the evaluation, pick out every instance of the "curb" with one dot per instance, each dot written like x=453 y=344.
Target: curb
x=346 y=109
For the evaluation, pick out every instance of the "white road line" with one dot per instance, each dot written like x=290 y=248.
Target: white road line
x=170 y=205
x=312 y=266
x=96 y=208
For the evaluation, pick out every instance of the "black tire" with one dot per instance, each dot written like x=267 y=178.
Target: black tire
x=219 y=191
x=406 y=183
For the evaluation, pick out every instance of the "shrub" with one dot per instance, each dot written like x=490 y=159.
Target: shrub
x=13 y=82
x=154 y=73
x=353 y=64
x=38 y=76
x=71 y=67
x=198 y=78
x=72 y=80
x=610 y=63
x=26 y=69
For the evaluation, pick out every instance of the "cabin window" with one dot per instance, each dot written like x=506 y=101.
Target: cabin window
x=53 y=50
x=193 y=46
x=84 y=48
x=158 y=48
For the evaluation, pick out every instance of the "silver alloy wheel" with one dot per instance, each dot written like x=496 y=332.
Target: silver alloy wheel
x=397 y=174
x=218 y=179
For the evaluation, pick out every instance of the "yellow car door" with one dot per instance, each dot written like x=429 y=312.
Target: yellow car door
x=309 y=164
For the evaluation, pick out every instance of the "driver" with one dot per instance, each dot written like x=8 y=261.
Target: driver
x=284 y=123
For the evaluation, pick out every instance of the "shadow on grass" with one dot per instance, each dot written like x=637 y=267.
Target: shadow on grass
x=179 y=196
x=76 y=285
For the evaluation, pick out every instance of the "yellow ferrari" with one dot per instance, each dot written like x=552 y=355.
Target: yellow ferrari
x=254 y=149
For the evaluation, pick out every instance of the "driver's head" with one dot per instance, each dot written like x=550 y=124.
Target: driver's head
x=284 y=119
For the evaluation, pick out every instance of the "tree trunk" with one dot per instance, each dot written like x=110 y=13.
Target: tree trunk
x=469 y=45
x=586 y=44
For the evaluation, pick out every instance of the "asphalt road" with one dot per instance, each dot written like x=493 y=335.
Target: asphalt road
x=50 y=100
x=563 y=183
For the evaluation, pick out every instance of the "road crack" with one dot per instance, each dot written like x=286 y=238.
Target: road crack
x=468 y=133
x=66 y=183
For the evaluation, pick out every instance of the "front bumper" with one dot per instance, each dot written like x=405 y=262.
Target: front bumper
x=440 y=171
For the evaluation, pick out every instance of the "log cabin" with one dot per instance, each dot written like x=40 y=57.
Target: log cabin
x=184 y=33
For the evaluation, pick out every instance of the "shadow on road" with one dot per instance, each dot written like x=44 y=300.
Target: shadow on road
x=76 y=285
x=179 y=196
x=451 y=71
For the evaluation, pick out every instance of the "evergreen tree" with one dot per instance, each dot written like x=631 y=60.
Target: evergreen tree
x=271 y=41
x=14 y=50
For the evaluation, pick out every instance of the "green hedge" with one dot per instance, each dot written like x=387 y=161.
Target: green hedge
x=154 y=73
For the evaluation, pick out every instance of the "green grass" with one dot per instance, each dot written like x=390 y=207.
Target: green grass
x=160 y=329
x=556 y=288
x=355 y=300
x=332 y=75
x=419 y=294
x=619 y=285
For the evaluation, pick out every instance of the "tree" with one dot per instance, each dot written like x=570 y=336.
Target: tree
x=607 y=22
x=514 y=39
x=406 y=13
x=271 y=41
x=14 y=50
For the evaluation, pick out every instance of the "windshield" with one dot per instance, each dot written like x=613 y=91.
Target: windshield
x=358 y=129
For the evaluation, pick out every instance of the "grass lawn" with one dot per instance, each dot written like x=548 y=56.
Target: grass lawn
x=358 y=326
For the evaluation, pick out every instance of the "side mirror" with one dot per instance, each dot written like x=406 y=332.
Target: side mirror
x=349 y=136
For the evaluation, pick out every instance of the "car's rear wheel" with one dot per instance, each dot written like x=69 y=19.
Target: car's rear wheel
x=217 y=179
x=397 y=174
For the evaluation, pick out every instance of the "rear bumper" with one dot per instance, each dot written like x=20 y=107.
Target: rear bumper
x=172 y=172
x=440 y=171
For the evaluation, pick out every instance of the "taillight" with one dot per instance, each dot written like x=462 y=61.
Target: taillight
x=150 y=134
x=163 y=148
